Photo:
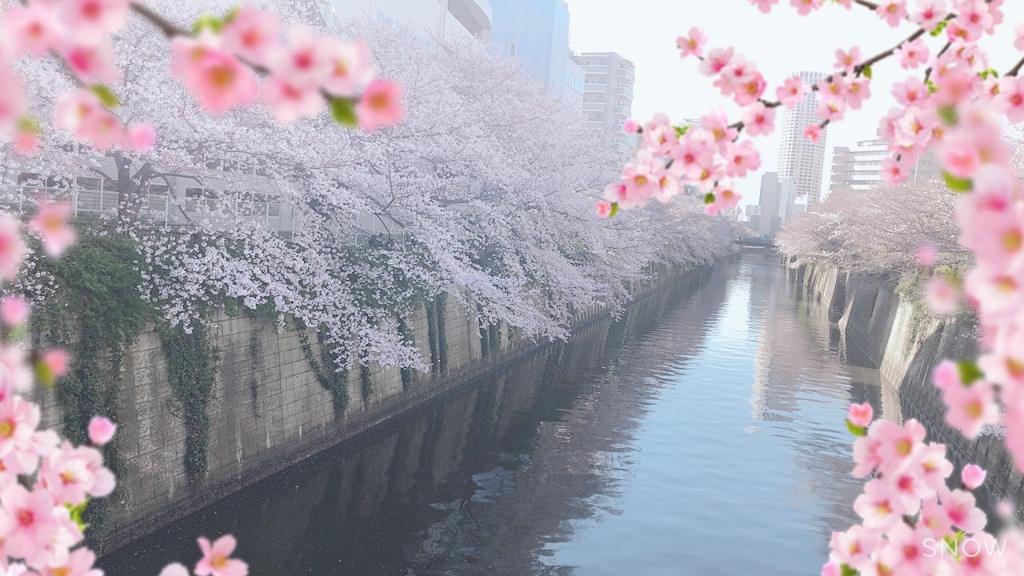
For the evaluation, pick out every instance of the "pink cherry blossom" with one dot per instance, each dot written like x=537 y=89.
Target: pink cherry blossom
x=813 y=132
x=216 y=78
x=92 y=20
x=604 y=209
x=764 y=6
x=631 y=126
x=716 y=61
x=101 y=430
x=309 y=62
x=792 y=92
x=962 y=512
x=969 y=409
x=1018 y=43
x=892 y=11
x=217 y=561
x=846 y=61
x=92 y=63
x=861 y=414
x=350 y=67
x=972 y=476
x=51 y=224
x=692 y=44
x=14 y=310
x=804 y=7
x=252 y=35
x=380 y=105
x=32 y=27
x=141 y=137
x=741 y=159
x=79 y=563
x=759 y=120
x=56 y=361
x=912 y=54
x=942 y=297
x=290 y=102
x=27 y=520
x=926 y=255
x=929 y=13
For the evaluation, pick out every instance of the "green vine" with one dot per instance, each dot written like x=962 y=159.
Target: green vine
x=408 y=339
x=329 y=375
x=255 y=362
x=191 y=370
x=365 y=382
x=441 y=304
x=95 y=312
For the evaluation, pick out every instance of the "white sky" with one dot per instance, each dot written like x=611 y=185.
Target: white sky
x=779 y=43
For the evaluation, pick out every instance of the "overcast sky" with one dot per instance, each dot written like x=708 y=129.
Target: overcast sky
x=778 y=43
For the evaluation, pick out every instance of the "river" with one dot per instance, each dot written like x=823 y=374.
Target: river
x=701 y=434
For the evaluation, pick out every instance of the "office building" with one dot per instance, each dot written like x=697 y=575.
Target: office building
x=608 y=99
x=801 y=160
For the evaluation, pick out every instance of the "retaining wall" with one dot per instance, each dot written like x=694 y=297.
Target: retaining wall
x=893 y=334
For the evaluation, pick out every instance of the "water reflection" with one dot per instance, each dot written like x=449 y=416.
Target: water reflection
x=701 y=434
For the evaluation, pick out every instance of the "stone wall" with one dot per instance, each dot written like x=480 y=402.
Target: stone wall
x=895 y=335
x=268 y=411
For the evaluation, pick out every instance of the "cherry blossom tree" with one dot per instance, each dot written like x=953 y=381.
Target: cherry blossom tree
x=957 y=107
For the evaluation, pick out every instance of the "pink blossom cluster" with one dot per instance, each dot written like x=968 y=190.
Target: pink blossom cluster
x=912 y=520
x=219 y=65
x=78 y=33
x=958 y=108
x=304 y=75
x=45 y=482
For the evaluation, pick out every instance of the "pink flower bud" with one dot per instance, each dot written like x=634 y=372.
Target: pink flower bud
x=141 y=137
x=14 y=310
x=604 y=209
x=861 y=414
x=973 y=476
x=631 y=126
x=101 y=430
x=56 y=361
x=926 y=254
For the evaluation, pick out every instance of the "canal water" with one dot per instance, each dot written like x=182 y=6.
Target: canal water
x=701 y=434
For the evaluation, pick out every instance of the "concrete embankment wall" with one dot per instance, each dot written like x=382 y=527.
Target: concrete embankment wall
x=268 y=410
x=883 y=330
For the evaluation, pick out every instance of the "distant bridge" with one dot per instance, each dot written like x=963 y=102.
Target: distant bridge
x=756 y=242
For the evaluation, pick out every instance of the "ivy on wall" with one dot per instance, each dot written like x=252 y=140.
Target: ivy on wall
x=365 y=383
x=191 y=372
x=408 y=338
x=329 y=375
x=438 y=339
x=95 y=312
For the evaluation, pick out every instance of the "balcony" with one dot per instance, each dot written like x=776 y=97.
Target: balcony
x=475 y=15
x=622 y=111
x=626 y=73
x=595 y=87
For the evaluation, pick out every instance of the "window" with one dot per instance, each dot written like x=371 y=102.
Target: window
x=88 y=183
x=512 y=48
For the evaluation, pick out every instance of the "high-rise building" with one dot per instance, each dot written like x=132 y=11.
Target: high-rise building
x=535 y=32
x=608 y=99
x=859 y=167
x=459 y=18
x=777 y=204
x=801 y=160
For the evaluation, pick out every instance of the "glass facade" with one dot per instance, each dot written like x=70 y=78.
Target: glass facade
x=535 y=32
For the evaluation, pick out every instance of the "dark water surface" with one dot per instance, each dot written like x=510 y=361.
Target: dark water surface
x=703 y=434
